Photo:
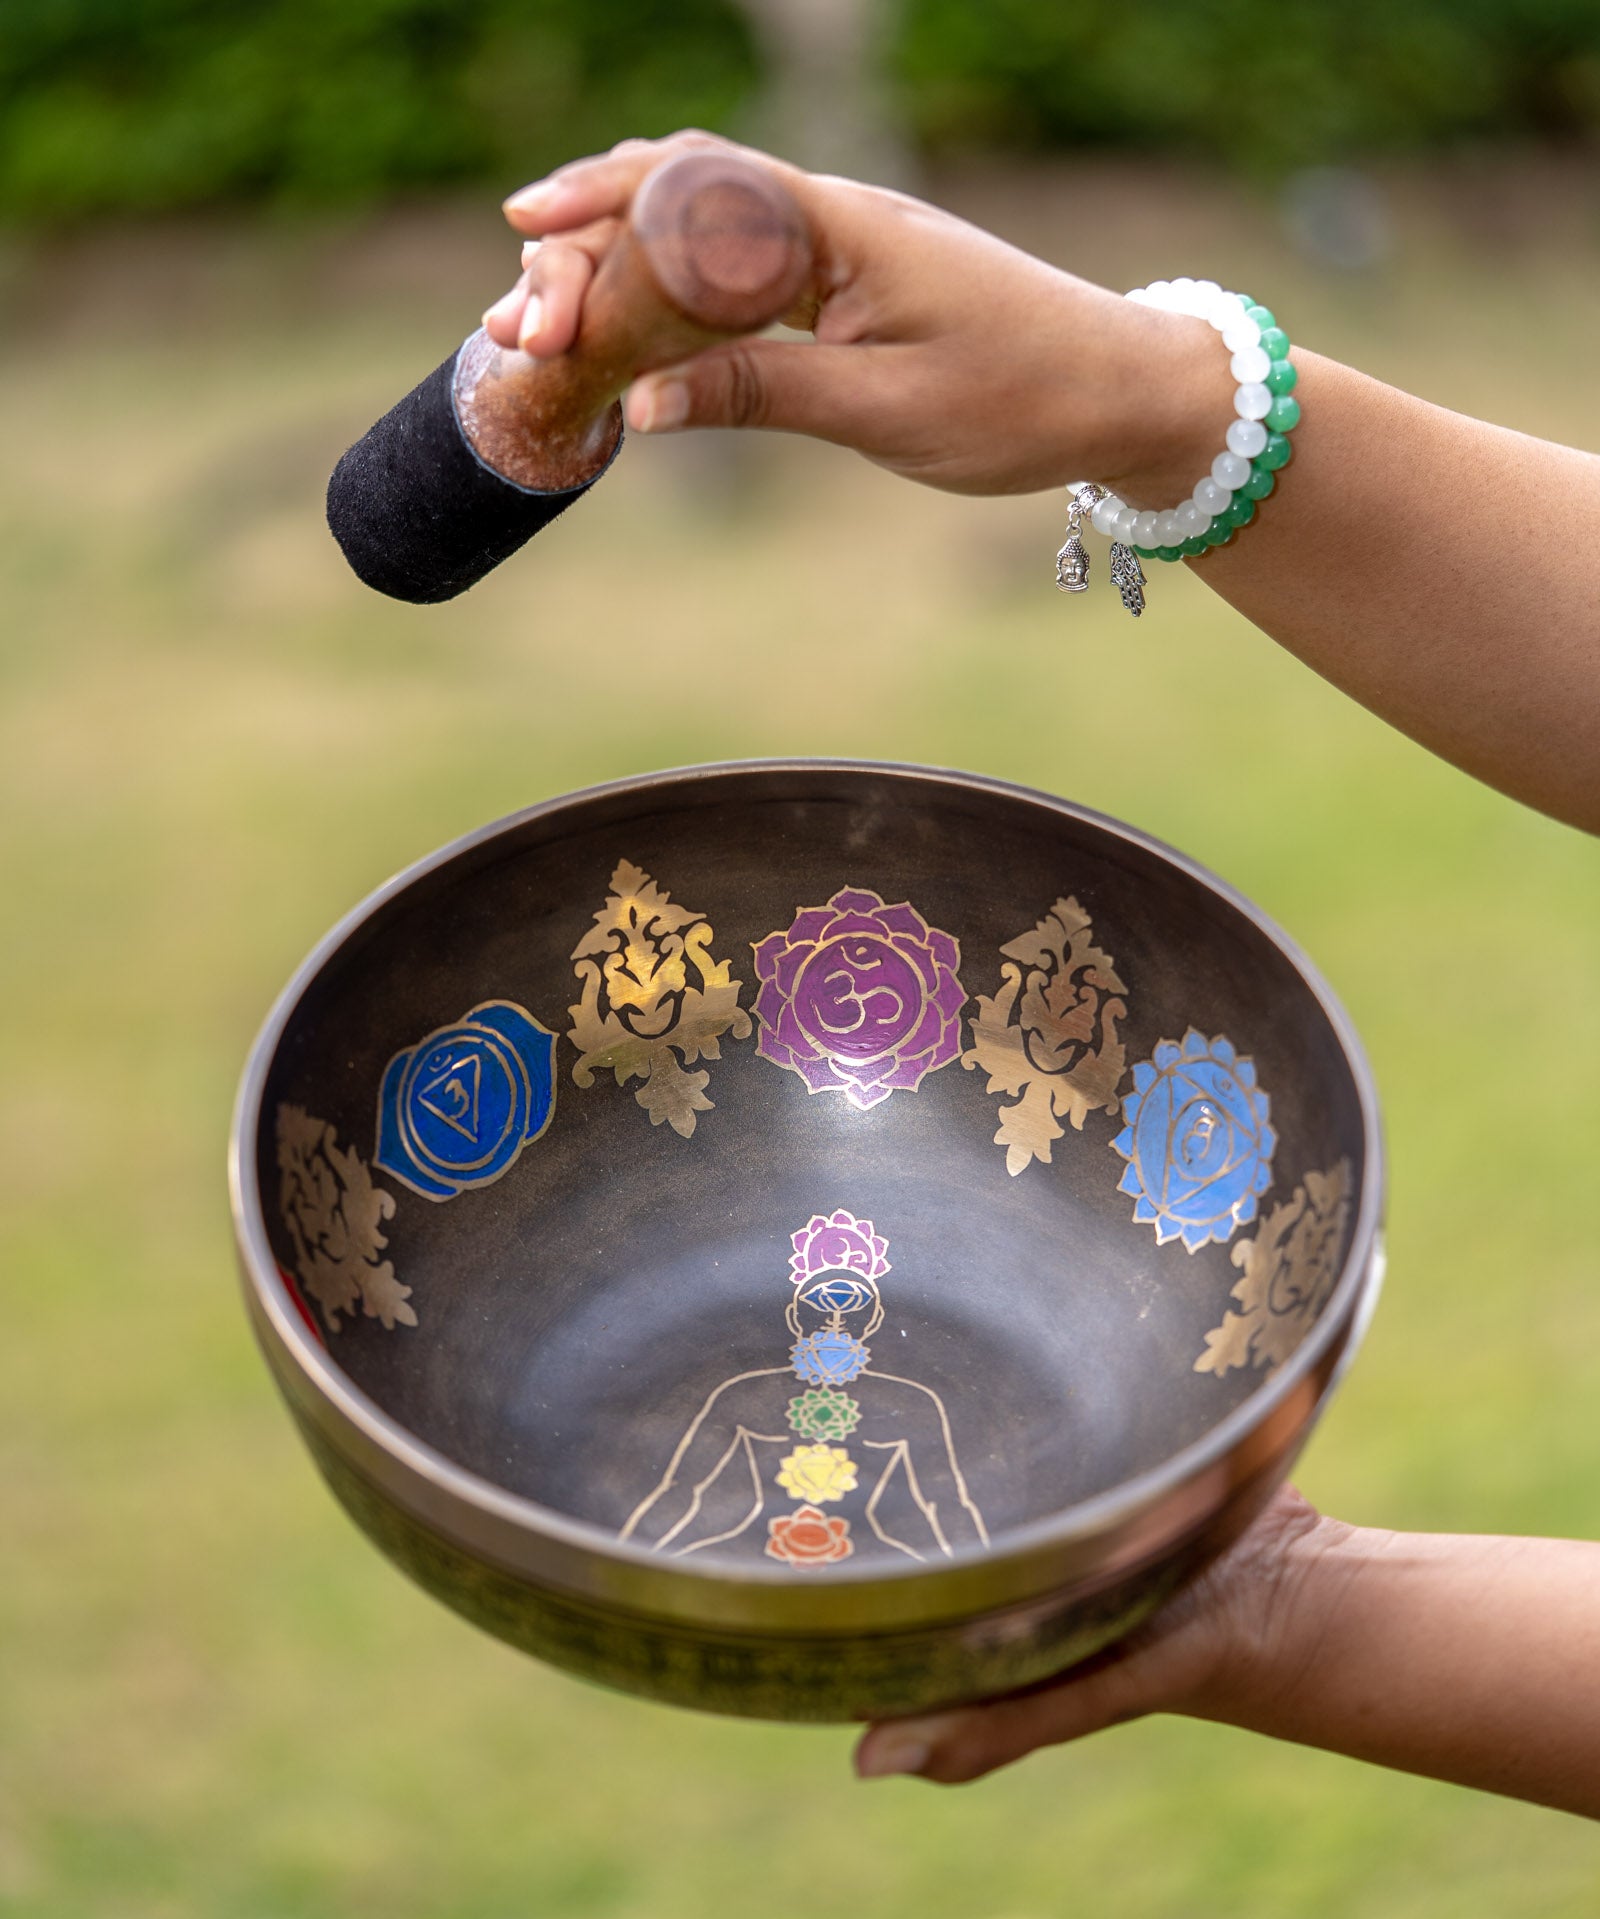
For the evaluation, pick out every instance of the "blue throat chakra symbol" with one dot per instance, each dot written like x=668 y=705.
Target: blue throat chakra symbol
x=830 y=1357
x=456 y=1110
x=1197 y=1142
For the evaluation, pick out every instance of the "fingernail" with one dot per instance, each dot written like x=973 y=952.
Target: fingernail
x=526 y=199
x=885 y=1758
x=529 y=249
x=505 y=307
x=532 y=320
x=665 y=406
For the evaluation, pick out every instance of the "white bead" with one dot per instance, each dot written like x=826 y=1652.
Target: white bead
x=1123 y=529
x=1207 y=292
x=1253 y=402
x=1247 y=437
x=1230 y=470
x=1252 y=363
x=1183 y=294
x=1144 y=529
x=1189 y=520
x=1211 y=498
x=1241 y=333
x=1167 y=533
x=1158 y=292
x=1140 y=296
x=1100 y=518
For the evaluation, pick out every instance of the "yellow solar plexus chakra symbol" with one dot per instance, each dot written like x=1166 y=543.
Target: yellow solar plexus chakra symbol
x=334 y=1215
x=653 y=1000
x=818 y=1473
x=1289 y=1270
x=1048 y=1038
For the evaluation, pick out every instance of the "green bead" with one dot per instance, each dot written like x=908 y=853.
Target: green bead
x=1221 y=532
x=1274 y=454
x=1194 y=545
x=1259 y=484
x=1283 y=416
x=1145 y=552
x=1169 y=552
x=1281 y=377
x=1263 y=316
x=1243 y=510
x=1275 y=342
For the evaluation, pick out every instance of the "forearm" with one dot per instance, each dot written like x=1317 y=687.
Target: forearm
x=1474 y=1660
x=1438 y=569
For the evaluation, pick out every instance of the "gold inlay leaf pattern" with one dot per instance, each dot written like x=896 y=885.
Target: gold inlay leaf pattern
x=653 y=1000
x=1048 y=1038
x=1289 y=1269
x=335 y=1214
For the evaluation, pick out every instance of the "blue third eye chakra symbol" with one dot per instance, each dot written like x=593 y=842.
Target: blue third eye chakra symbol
x=1197 y=1142
x=456 y=1111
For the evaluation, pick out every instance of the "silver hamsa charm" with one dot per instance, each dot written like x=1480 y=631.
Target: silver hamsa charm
x=1127 y=576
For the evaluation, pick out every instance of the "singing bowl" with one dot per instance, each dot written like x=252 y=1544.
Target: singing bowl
x=807 y=1240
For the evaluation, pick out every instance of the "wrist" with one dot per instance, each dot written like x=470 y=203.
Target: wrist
x=1283 y=1589
x=1163 y=403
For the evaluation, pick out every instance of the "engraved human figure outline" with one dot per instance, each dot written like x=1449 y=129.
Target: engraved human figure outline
x=729 y=1472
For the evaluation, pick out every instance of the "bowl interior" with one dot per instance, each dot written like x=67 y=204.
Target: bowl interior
x=779 y=1295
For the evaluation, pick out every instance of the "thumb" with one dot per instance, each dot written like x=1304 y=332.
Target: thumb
x=829 y=392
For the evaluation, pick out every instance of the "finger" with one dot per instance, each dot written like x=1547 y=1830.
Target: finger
x=600 y=186
x=503 y=320
x=951 y=1748
x=838 y=393
x=557 y=281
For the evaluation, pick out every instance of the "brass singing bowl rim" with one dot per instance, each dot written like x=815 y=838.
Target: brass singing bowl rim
x=1137 y=1522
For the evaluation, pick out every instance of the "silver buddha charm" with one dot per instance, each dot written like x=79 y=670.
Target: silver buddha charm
x=1072 y=566
x=1072 y=561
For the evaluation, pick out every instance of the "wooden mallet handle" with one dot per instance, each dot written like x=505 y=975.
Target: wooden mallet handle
x=715 y=246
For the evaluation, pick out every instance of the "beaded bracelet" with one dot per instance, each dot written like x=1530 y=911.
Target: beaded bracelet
x=1241 y=476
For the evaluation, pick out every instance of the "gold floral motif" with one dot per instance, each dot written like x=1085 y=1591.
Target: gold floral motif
x=1048 y=1038
x=333 y=1213
x=818 y=1473
x=638 y=1005
x=1289 y=1269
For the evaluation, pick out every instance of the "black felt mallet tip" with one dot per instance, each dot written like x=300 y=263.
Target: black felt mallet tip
x=493 y=445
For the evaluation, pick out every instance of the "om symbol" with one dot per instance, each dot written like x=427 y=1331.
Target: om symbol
x=859 y=996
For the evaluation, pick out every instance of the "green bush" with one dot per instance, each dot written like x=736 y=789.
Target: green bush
x=136 y=106
x=139 y=106
x=1257 y=88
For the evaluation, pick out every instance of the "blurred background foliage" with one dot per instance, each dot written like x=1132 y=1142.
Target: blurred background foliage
x=138 y=106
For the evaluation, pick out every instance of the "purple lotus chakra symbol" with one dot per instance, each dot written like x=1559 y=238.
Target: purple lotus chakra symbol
x=859 y=997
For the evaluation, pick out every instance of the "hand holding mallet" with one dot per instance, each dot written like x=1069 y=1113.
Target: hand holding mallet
x=495 y=443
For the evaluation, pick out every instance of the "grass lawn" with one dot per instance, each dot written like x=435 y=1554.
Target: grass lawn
x=215 y=1699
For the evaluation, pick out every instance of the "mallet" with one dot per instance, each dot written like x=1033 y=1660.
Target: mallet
x=494 y=444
